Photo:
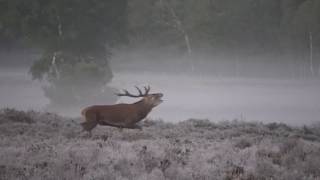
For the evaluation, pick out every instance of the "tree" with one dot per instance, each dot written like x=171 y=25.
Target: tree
x=75 y=36
x=244 y=36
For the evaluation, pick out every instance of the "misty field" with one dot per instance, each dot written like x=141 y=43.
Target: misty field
x=44 y=145
x=294 y=102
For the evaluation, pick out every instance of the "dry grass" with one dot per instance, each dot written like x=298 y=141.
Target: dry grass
x=46 y=146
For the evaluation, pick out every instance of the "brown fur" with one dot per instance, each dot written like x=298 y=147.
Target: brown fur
x=119 y=115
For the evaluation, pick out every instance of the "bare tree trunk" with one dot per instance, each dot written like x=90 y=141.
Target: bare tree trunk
x=59 y=26
x=54 y=67
x=311 y=53
x=186 y=37
x=237 y=73
x=178 y=25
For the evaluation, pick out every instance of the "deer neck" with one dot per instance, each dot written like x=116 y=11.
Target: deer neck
x=143 y=109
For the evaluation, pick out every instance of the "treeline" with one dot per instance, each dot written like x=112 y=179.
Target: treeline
x=278 y=33
x=282 y=36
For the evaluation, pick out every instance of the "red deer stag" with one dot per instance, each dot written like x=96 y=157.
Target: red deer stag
x=121 y=115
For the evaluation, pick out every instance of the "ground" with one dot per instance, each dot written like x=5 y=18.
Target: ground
x=37 y=145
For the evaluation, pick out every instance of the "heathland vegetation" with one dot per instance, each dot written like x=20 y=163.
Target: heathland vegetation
x=47 y=146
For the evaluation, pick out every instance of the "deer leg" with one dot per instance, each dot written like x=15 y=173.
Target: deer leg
x=90 y=123
x=120 y=129
x=135 y=126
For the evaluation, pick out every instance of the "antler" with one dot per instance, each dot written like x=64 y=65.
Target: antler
x=126 y=92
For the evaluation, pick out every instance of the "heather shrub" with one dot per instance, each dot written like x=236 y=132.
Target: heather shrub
x=37 y=145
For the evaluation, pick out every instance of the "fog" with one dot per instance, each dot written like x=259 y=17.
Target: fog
x=187 y=95
x=216 y=99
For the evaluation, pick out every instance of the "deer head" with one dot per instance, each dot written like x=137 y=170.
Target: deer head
x=152 y=100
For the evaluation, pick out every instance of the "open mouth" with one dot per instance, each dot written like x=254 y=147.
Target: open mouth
x=160 y=98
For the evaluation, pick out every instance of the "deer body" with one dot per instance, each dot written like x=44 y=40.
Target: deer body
x=120 y=115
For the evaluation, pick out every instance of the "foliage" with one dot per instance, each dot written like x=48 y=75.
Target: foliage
x=242 y=33
x=225 y=22
x=75 y=38
x=264 y=31
x=81 y=82
x=74 y=26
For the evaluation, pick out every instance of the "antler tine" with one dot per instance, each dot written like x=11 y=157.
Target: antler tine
x=147 y=89
x=140 y=92
x=121 y=94
x=126 y=93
